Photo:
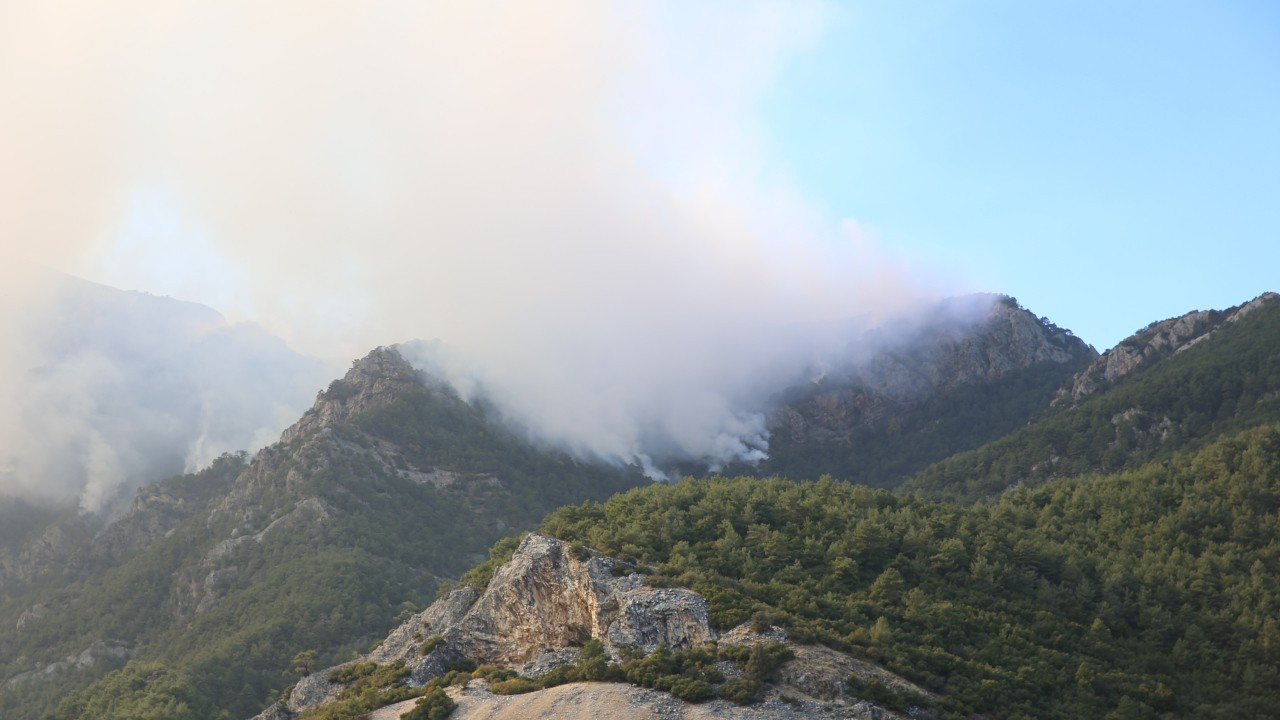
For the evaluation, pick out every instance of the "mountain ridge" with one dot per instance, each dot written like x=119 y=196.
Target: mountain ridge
x=210 y=583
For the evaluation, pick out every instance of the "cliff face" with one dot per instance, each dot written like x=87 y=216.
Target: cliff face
x=374 y=381
x=933 y=358
x=548 y=600
x=981 y=364
x=1152 y=343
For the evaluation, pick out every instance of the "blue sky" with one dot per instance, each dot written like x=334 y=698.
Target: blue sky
x=1109 y=164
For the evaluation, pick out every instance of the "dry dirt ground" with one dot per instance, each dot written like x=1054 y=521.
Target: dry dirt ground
x=610 y=701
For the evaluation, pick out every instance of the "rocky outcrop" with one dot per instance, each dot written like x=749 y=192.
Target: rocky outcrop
x=548 y=600
x=1154 y=342
x=59 y=547
x=98 y=651
x=373 y=381
x=968 y=340
x=543 y=601
x=545 y=598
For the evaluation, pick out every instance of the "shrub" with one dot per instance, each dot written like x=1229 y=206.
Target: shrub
x=435 y=705
x=741 y=690
x=692 y=689
x=431 y=644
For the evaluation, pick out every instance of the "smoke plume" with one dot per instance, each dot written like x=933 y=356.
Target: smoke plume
x=577 y=198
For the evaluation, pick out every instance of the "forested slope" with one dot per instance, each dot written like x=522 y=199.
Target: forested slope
x=1149 y=593
x=389 y=484
x=977 y=368
x=1223 y=383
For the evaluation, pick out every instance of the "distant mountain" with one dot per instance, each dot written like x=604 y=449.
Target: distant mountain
x=975 y=369
x=1174 y=385
x=116 y=389
x=387 y=485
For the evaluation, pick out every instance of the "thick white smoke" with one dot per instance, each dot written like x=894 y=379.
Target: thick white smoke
x=577 y=196
x=122 y=388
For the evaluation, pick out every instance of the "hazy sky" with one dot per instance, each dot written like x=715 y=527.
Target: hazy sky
x=1107 y=163
x=621 y=215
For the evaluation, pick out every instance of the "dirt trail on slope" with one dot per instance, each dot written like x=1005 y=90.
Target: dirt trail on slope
x=605 y=701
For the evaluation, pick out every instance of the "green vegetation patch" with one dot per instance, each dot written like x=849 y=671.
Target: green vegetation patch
x=1082 y=597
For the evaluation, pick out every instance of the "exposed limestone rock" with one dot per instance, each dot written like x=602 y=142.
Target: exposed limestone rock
x=818 y=672
x=86 y=658
x=57 y=546
x=312 y=691
x=544 y=603
x=31 y=614
x=543 y=599
x=546 y=598
x=1157 y=340
x=372 y=382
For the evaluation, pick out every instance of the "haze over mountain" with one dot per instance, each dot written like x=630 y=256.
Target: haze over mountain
x=417 y=187
x=584 y=203
x=109 y=390
x=392 y=481
x=576 y=245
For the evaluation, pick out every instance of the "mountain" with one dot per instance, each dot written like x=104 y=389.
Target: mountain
x=390 y=483
x=1148 y=593
x=1131 y=578
x=977 y=368
x=109 y=390
x=1174 y=385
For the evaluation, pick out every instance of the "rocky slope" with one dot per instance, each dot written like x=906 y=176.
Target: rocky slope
x=549 y=599
x=388 y=484
x=979 y=367
x=1149 y=345
x=1173 y=386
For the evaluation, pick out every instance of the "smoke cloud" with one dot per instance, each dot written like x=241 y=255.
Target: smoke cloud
x=576 y=198
x=127 y=387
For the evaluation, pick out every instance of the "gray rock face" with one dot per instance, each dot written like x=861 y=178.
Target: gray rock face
x=1156 y=341
x=372 y=382
x=86 y=658
x=544 y=603
x=538 y=607
x=55 y=547
x=972 y=340
x=545 y=598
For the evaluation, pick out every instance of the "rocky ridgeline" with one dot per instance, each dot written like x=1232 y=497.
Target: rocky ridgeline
x=1157 y=340
x=373 y=381
x=973 y=339
x=544 y=604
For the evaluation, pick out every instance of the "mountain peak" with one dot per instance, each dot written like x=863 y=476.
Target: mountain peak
x=1155 y=341
x=373 y=381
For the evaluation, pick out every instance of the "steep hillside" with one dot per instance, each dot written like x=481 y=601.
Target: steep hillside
x=555 y=616
x=1175 y=385
x=1149 y=593
x=388 y=484
x=1151 y=344
x=979 y=367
